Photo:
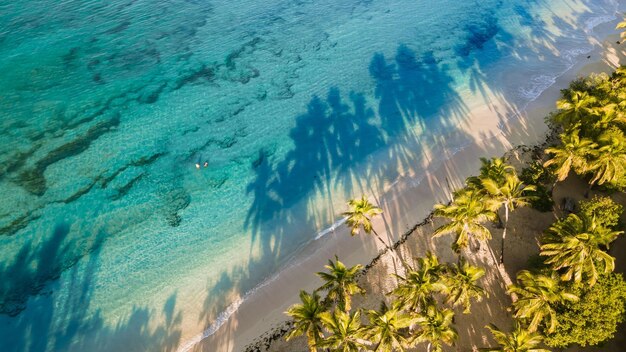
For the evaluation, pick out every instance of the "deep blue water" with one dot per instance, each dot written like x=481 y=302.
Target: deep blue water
x=110 y=237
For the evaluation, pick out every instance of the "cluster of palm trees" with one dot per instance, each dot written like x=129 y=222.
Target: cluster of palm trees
x=415 y=313
x=575 y=251
x=497 y=187
x=413 y=316
x=574 y=248
x=592 y=118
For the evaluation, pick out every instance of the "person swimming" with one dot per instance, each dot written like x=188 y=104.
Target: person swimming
x=199 y=162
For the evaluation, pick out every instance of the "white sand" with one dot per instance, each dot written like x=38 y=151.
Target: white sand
x=404 y=205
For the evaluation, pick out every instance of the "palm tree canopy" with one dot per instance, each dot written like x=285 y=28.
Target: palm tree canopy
x=340 y=283
x=466 y=212
x=345 y=331
x=622 y=25
x=519 y=340
x=307 y=318
x=494 y=169
x=609 y=166
x=388 y=328
x=415 y=289
x=436 y=327
x=461 y=284
x=359 y=215
x=574 y=153
x=576 y=245
x=538 y=294
x=609 y=114
x=575 y=105
x=510 y=191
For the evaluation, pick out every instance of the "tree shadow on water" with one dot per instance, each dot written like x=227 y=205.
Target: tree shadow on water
x=41 y=313
x=334 y=142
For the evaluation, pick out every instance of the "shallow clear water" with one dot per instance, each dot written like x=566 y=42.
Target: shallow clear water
x=111 y=238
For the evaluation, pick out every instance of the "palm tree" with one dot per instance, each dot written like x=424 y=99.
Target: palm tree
x=345 y=331
x=520 y=340
x=307 y=318
x=577 y=246
x=359 y=216
x=461 y=284
x=509 y=193
x=387 y=328
x=574 y=107
x=622 y=26
x=537 y=296
x=610 y=164
x=573 y=153
x=340 y=282
x=415 y=290
x=467 y=211
x=436 y=328
x=609 y=115
x=494 y=168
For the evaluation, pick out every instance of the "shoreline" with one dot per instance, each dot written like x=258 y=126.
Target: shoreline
x=245 y=331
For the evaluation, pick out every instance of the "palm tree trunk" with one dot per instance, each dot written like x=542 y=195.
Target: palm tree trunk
x=312 y=341
x=377 y=346
x=393 y=252
x=588 y=190
x=506 y=222
x=506 y=279
x=380 y=239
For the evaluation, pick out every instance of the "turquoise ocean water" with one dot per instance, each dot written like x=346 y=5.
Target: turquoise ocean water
x=112 y=239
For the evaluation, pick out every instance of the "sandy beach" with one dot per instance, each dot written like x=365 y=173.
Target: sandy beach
x=495 y=127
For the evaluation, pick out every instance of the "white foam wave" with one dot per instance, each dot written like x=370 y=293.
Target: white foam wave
x=537 y=85
x=224 y=316
x=234 y=306
x=332 y=228
x=593 y=22
x=571 y=55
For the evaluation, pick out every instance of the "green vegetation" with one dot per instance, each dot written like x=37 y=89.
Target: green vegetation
x=603 y=209
x=467 y=213
x=568 y=296
x=592 y=119
x=437 y=328
x=414 y=315
x=461 y=284
x=508 y=193
x=307 y=318
x=387 y=327
x=576 y=247
x=498 y=186
x=622 y=25
x=344 y=330
x=359 y=216
x=415 y=290
x=519 y=340
x=538 y=294
x=536 y=175
x=594 y=318
x=340 y=283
